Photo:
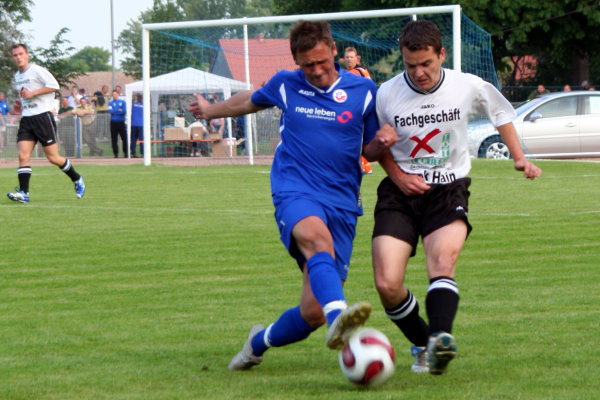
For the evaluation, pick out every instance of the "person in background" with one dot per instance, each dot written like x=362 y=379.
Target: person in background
x=315 y=183
x=425 y=195
x=74 y=97
x=351 y=60
x=37 y=87
x=137 y=125
x=87 y=115
x=540 y=90
x=102 y=97
x=567 y=88
x=83 y=96
x=585 y=85
x=4 y=110
x=66 y=128
x=117 y=110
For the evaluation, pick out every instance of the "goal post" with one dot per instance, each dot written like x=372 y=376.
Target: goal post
x=247 y=51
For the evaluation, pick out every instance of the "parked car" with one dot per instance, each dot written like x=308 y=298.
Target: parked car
x=554 y=125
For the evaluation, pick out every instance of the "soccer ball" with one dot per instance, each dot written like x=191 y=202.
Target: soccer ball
x=368 y=358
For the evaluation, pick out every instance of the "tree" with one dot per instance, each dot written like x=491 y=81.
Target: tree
x=12 y=13
x=130 y=39
x=291 y=7
x=56 y=59
x=92 y=59
x=562 y=35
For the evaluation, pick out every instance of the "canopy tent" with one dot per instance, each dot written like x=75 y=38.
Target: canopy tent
x=184 y=81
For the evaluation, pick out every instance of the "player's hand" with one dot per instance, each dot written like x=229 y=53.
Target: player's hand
x=530 y=170
x=25 y=94
x=199 y=107
x=409 y=184
x=386 y=136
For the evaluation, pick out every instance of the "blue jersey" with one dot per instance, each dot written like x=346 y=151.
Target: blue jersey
x=117 y=110
x=137 y=114
x=322 y=133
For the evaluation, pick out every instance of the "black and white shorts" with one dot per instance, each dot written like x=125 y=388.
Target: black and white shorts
x=38 y=128
x=407 y=217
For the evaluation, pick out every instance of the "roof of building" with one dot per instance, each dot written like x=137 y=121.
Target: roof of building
x=93 y=81
x=266 y=57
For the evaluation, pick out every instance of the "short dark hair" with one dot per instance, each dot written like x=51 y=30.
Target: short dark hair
x=419 y=35
x=15 y=46
x=305 y=35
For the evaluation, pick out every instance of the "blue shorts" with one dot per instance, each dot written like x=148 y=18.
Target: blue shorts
x=292 y=207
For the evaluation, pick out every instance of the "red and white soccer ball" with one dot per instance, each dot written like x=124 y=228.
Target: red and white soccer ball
x=368 y=358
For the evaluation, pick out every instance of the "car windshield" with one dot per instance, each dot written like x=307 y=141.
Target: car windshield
x=528 y=105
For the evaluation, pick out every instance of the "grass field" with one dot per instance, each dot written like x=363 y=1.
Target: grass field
x=147 y=287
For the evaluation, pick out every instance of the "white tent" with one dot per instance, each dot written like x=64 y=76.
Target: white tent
x=184 y=81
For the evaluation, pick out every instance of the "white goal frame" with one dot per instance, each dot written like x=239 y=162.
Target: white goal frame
x=455 y=10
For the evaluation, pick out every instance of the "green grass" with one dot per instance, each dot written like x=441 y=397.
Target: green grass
x=147 y=287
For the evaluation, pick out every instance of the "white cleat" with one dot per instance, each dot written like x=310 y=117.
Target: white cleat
x=245 y=359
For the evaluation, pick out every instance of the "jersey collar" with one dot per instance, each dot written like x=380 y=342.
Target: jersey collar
x=421 y=91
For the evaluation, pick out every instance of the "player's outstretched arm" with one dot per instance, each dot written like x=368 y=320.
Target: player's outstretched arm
x=509 y=135
x=238 y=104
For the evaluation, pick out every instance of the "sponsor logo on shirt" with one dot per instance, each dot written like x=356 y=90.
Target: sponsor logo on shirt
x=316 y=112
x=340 y=96
x=306 y=92
x=422 y=120
x=344 y=117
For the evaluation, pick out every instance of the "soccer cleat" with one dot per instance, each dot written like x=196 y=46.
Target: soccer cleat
x=19 y=196
x=245 y=359
x=350 y=318
x=79 y=187
x=440 y=351
x=421 y=363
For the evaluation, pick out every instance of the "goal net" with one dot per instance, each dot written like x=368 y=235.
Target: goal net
x=218 y=58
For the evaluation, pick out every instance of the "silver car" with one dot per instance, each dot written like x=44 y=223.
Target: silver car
x=554 y=125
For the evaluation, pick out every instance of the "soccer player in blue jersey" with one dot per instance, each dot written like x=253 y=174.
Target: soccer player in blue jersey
x=328 y=118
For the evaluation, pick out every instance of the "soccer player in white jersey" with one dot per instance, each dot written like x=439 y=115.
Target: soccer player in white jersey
x=328 y=118
x=426 y=191
x=36 y=87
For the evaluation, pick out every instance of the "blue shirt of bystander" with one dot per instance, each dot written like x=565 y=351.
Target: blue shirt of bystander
x=117 y=110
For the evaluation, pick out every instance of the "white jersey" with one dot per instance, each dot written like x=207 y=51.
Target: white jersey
x=432 y=125
x=33 y=78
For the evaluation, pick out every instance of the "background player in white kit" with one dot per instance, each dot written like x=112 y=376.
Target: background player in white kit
x=426 y=191
x=36 y=87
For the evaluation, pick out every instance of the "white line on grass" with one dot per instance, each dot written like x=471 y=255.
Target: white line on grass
x=211 y=210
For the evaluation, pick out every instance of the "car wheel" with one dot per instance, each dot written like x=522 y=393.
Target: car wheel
x=494 y=148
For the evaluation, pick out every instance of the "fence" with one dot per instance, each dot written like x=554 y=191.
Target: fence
x=77 y=139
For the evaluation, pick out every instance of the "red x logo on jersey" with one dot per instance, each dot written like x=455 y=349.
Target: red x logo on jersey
x=422 y=144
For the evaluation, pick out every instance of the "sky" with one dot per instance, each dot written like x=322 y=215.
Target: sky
x=89 y=22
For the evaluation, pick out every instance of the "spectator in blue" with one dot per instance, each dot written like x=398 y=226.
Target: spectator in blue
x=117 y=110
x=137 y=125
x=4 y=108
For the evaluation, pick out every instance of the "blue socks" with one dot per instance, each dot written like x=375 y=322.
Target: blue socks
x=327 y=287
x=289 y=328
x=326 y=284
